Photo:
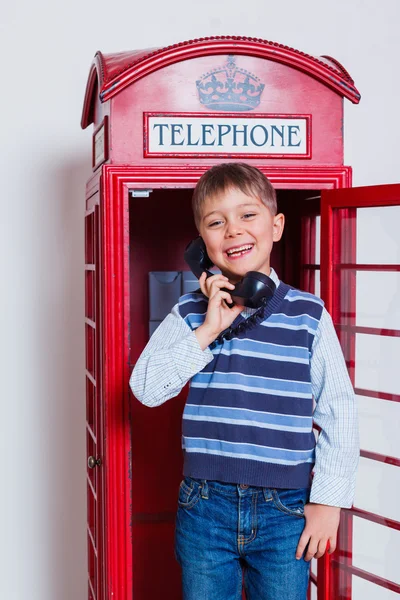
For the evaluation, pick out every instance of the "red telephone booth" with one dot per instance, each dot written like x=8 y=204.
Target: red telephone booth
x=161 y=118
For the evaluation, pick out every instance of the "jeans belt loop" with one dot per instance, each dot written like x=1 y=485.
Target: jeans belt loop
x=204 y=489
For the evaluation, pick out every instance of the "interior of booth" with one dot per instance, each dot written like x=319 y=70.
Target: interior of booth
x=160 y=227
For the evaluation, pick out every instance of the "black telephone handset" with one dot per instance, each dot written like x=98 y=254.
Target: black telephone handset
x=253 y=291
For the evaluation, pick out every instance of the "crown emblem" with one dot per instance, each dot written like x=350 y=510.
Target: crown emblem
x=230 y=88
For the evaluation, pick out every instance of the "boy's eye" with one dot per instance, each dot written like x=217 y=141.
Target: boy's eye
x=214 y=223
x=248 y=215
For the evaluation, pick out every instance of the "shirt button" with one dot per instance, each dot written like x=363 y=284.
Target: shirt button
x=243 y=486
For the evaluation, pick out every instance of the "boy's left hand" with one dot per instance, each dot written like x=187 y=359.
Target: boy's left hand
x=321 y=527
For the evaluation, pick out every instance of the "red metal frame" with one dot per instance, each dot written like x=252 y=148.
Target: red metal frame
x=223 y=115
x=361 y=197
x=115 y=72
x=115 y=183
x=333 y=265
x=186 y=176
x=117 y=427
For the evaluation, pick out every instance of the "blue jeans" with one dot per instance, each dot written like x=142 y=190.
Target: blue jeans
x=227 y=534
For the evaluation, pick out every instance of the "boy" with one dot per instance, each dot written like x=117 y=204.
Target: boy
x=246 y=504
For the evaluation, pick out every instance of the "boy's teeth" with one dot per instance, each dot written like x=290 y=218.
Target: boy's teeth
x=239 y=250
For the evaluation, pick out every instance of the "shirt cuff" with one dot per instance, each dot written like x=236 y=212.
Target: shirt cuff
x=332 y=490
x=189 y=358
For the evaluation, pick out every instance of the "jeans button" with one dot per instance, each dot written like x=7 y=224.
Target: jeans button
x=243 y=486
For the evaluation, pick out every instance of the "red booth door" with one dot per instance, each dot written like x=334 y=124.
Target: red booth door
x=360 y=279
x=94 y=423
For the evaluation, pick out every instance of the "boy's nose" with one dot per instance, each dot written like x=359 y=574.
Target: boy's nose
x=233 y=230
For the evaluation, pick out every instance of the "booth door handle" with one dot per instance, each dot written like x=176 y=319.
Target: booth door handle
x=93 y=462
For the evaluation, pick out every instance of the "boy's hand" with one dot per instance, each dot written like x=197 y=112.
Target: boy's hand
x=321 y=527
x=219 y=315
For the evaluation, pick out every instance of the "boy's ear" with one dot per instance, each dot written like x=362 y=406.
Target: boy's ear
x=279 y=224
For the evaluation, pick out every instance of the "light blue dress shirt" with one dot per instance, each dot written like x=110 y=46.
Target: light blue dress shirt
x=173 y=355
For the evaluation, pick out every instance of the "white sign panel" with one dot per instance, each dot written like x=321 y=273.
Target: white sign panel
x=220 y=135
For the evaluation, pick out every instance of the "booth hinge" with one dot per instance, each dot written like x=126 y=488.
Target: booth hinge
x=140 y=193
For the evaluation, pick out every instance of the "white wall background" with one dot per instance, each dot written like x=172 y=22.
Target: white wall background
x=47 y=48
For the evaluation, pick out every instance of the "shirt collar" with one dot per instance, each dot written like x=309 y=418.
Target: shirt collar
x=274 y=277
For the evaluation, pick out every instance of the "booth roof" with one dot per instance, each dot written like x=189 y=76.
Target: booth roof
x=111 y=73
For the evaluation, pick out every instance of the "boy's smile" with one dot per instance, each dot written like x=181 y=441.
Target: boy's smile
x=239 y=232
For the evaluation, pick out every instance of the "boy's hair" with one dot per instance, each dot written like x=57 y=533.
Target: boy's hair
x=241 y=176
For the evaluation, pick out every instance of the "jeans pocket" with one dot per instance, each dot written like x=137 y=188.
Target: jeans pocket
x=189 y=493
x=291 y=502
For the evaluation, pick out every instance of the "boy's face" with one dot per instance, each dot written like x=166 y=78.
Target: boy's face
x=239 y=231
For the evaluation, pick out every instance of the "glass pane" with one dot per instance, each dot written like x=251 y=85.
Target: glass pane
x=379 y=425
x=92 y=566
x=378 y=299
x=346 y=297
x=317 y=240
x=376 y=549
x=317 y=291
x=90 y=404
x=89 y=239
x=91 y=512
x=90 y=350
x=377 y=488
x=378 y=235
x=377 y=363
x=90 y=295
x=365 y=590
x=314 y=566
x=314 y=593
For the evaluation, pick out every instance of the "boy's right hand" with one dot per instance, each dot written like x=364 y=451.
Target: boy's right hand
x=219 y=315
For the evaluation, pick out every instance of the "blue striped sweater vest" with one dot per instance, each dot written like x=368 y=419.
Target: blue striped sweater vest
x=248 y=415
